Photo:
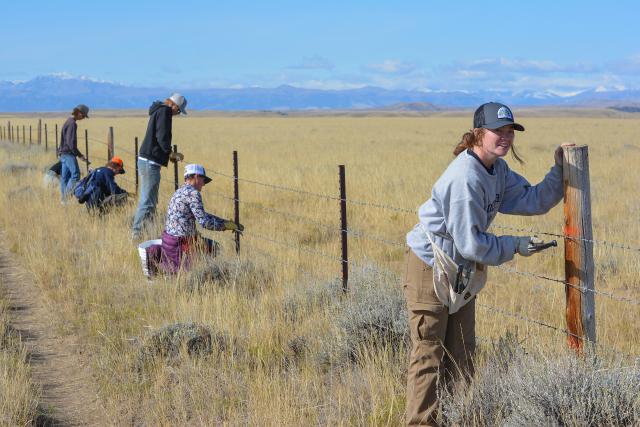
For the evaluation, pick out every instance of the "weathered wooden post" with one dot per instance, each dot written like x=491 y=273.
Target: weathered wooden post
x=175 y=170
x=86 y=148
x=24 y=134
x=135 y=148
x=578 y=248
x=30 y=139
x=343 y=228
x=39 y=131
x=46 y=139
x=110 y=144
x=236 y=200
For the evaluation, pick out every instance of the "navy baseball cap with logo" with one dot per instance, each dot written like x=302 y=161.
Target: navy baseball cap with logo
x=494 y=115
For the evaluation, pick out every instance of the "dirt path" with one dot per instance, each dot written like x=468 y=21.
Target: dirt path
x=59 y=365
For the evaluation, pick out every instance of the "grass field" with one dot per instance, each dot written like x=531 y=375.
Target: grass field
x=89 y=271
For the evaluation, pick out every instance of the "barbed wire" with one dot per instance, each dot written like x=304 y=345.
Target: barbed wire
x=564 y=236
x=554 y=328
x=290 y=246
x=582 y=289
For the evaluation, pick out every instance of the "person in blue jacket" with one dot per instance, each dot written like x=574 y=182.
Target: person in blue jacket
x=106 y=193
x=448 y=252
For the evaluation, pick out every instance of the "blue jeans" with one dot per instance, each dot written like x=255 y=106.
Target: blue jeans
x=70 y=174
x=150 y=176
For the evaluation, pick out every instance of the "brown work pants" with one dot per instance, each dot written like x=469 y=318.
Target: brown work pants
x=442 y=344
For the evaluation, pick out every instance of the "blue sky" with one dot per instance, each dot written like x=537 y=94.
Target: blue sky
x=561 y=46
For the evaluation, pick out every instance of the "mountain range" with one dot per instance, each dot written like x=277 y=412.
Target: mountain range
x=58 y=93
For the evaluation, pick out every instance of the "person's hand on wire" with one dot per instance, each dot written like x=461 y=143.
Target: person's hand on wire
x=529 y=245
x=232 y=226
x=176 y=157
x=559 y=153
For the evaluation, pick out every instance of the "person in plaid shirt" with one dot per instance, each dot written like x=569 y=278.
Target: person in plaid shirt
x=180 y=238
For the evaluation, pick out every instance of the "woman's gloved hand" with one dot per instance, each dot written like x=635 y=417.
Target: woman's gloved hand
x=232 y=226
x=529 y=245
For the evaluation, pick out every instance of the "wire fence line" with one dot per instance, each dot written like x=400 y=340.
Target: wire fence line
x=359 y=234
x=582 y=289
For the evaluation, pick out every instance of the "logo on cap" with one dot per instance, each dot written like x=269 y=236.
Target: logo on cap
x=505 y=113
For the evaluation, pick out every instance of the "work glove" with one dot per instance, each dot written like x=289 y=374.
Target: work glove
x=176 y=157
x=527 y=246
x=232 y=226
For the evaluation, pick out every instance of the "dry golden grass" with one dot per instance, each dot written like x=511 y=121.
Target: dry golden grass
x=89 y=271
x=18 y=394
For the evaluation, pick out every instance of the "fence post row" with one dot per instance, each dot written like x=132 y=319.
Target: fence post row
x=578 y=247
x=236 y=200
x=135 y=148
x=175 y=169
x=86 y=148
x=343 y=228
x=110 y=144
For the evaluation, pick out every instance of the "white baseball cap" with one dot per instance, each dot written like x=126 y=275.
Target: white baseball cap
x=195 y=169
x=180 y=101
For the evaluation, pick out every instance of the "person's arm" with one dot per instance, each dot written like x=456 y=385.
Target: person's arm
x=206 y=220
x=465 y=217
x=112 y=185
x=163 y=129
x=521 y=198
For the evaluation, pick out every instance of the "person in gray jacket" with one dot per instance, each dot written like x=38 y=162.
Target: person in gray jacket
x=155 y=152
x=68 y=151
x=450 y=247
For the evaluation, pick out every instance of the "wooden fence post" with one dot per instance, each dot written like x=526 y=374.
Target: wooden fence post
x=578 y=248
x=46 y=139
x=343 y=228
x=56 y=138
x=39 y=131
x=86 y=148
x=175 y=169
x=236 y=200
x=24 y=134
x=135 y=148
x=30 y=139
x=110 y=144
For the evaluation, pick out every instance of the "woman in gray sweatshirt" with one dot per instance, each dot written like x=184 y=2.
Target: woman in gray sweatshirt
x=449 y=248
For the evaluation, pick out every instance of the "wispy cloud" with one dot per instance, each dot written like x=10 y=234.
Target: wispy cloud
x=315 y=62
x=391 y=66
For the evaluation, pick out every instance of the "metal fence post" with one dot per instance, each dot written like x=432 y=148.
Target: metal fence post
x=236 y=200
x=46 y=139
x=175 y=169
x=56 y=138
x=343 y=228
x=578 y=249
x=110 y=144
x=135 y=149
x=86 y=148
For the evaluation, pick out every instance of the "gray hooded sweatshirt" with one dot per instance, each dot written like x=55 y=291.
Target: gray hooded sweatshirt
x=465 y=200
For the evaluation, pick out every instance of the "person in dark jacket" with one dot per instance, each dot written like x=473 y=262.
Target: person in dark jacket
x=155 y=153
x=68 y=151
x=107 y=193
